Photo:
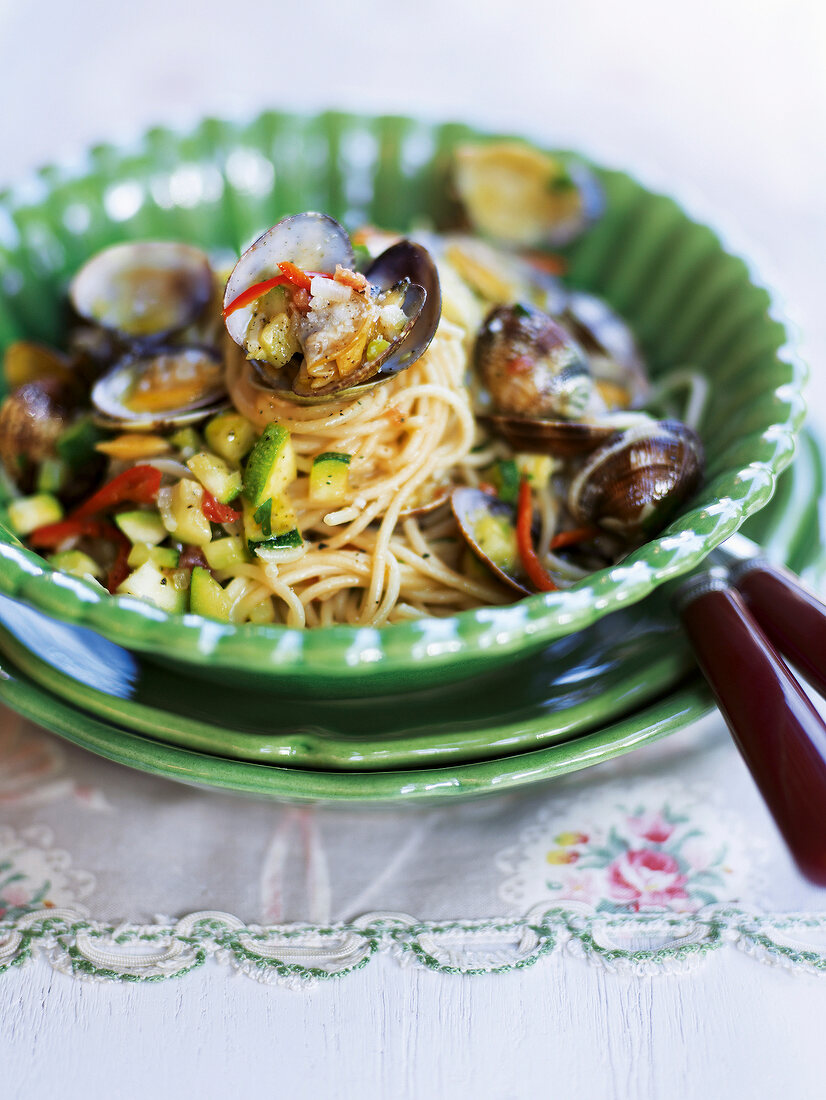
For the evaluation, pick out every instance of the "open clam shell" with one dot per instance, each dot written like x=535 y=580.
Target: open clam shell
x=311 y=241
x=488 y=525
x=518 y=194
x=170 y=387
x=143 y=290
x=408 y=265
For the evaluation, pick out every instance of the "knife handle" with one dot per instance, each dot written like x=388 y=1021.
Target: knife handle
x=780 y=735
x=792 y=616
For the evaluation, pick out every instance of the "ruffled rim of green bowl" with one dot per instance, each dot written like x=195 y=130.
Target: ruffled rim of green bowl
x=721 y=507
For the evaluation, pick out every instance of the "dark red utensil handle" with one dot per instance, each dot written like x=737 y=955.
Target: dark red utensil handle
x=792 y=616
x=779 y=733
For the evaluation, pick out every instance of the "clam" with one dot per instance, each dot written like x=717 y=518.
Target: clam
x=32 y=419
x=530 y=366
x=560 y=438
x=488 y=525
x=348 y=332
x=612 y=351
x=169 y=386
x=519 y=195
x=634 y=481
x=143 y=290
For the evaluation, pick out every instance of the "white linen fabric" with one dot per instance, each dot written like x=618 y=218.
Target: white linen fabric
x=652 y=861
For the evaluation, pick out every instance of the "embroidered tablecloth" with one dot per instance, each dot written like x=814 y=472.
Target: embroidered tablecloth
x=655 y=860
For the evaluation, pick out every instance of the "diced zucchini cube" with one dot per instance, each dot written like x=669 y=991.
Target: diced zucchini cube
x=225 y=553
x=181 y=508
x=162 y=556
x=28 y=513
x=148 y=582
x=215 y=476
x=329 y=478
x=77 y=563
x=207 y=597
x=230 y=435
x=142 y=526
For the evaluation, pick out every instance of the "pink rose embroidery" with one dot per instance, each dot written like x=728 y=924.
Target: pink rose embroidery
x=651 y=827
x=645 y=877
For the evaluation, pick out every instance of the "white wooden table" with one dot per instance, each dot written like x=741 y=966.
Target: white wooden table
x=726 y=98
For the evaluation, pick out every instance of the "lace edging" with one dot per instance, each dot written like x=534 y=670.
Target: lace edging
x=297 y=954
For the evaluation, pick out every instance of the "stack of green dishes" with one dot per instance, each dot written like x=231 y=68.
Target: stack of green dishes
x=481 y=702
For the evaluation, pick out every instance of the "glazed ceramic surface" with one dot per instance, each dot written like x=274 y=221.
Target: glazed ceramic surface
x=801 y=532
x=686 y=298
x=573 y=686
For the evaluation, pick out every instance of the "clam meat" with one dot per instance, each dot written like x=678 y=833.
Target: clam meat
x=317 y=329
x=170 y=386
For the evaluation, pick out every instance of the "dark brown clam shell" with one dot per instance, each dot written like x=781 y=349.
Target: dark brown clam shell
x=468 y=505
x=637 y=478
x=561 y=438
x=530 y=365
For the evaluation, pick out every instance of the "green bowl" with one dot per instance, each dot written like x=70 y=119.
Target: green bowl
x=687 y=299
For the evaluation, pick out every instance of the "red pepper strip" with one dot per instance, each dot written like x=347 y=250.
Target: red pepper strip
x=289 y=274
x=216 y=512
x=119 y=570
x=139 y=485
x=52 y=534
x=571 y=538
x=537 y=575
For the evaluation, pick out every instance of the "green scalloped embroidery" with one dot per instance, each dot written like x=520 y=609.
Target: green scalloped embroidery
x=214 y=938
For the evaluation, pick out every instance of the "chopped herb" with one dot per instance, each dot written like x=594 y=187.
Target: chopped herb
x=263 y=517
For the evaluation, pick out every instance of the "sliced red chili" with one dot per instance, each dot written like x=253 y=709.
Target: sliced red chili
x=139 y=485
x=536 y=572
x=574 y=536
x=216 y=512
x=119 y=569
x=53 y=534
x=289 y=274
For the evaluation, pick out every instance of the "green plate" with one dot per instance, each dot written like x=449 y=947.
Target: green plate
x=793 y=523
x=415 y=786
x=687 y=299
x=575 y=685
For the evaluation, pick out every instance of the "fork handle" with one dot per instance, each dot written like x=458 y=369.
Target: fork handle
x=780 y=735
x=792 y=616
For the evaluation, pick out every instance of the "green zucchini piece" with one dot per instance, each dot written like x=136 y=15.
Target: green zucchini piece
x=329 y=478
x=28 y=513
x=186 y=440
x=207 y=597
x=51 y=476
x=270 y=467
x=181 y=508
x=162 y=556
x=272 y=519
x=230 y=435
x=280 y=547
x=225 y=553
x=77 y=563
x=148 y=582
x=263 y=612
x=215 y=476
x=496 y=537
x=142 y=526
x=504 y=476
